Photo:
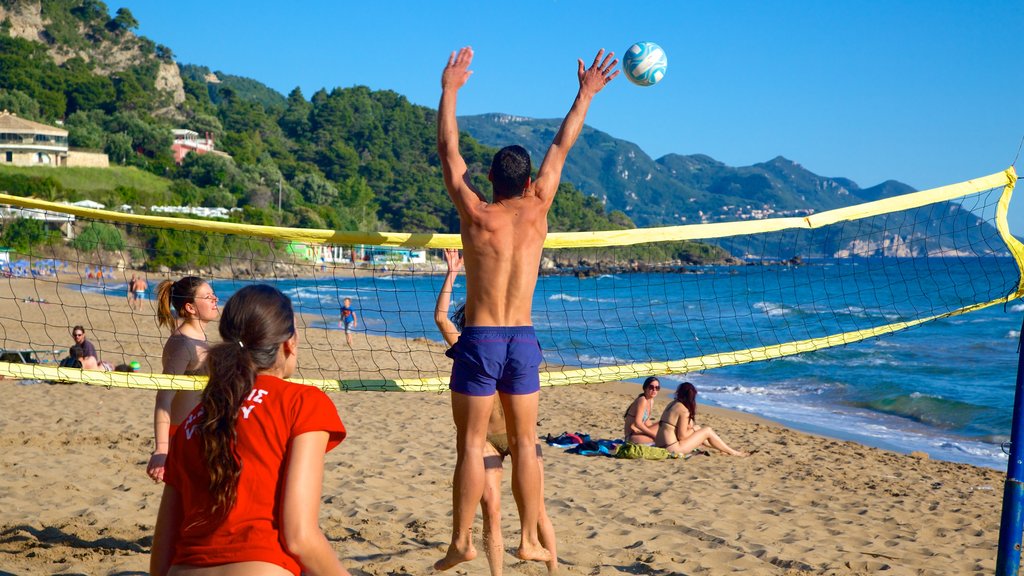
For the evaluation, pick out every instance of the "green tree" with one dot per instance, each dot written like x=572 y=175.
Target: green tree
x=27 y=66
x=23 y=234
x=207 y=170
x=135 y=87
x=315 y=189
x=119 y=147
x=295 y=119
x=85 y=130
x=90 y=11
x=19 y=103
x=84 y=89
x=164 y=53
x=218 y=198
x=99 y=235
x=122 y=21
x=150 y=137
x=205 y=123
x=186 y=193
x=44 y=187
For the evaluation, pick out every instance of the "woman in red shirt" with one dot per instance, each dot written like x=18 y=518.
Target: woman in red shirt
x=244 y=474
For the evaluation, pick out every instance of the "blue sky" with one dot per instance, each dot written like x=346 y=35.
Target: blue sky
x=928 y=93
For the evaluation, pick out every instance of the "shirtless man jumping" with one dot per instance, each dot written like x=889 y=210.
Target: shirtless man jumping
x=498 y=350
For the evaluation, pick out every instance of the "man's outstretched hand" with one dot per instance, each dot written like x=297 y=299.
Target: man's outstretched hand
x=457 y=71
x=600 y=73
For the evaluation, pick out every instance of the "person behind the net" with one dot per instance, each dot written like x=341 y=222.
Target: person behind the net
x=679 y=432
x=184 y=354
x=78 y=333
x=348 y=321
x=131 y=292
x=502 y=241
x=497 y=447
x=639 y=427
x=245 y=474
x=141 y=286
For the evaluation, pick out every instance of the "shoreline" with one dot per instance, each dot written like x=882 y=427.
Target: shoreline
x=386 y=502
x=74 y=495
x=325 y=352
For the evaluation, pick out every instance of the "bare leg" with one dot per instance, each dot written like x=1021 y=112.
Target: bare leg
x=521 y=425
x=471 y=414
x=546 y=529
x=494 y=544
x=701 y=436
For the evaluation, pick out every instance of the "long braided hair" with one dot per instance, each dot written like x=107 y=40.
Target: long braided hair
x=254 y=324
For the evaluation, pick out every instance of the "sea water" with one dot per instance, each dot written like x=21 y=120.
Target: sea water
x=945 y=387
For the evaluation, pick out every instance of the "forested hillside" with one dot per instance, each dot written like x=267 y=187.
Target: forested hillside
x=342 y=158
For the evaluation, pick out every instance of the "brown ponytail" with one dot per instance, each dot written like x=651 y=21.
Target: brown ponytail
x=176 y=294
x=254 y=324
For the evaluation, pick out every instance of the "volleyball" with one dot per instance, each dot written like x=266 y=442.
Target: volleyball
x=645 y=63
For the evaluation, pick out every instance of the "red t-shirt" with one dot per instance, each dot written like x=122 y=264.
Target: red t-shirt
x=274 y=412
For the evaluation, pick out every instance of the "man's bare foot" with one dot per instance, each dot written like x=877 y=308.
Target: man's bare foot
x=535 y=552
x=455 y=557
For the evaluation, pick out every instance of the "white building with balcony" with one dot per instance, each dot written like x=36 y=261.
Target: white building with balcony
x=27 y=143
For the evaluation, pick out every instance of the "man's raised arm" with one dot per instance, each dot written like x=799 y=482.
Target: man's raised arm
x=592 y=80
x=455 y=75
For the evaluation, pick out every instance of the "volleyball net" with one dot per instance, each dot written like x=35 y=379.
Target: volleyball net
x=608 y=305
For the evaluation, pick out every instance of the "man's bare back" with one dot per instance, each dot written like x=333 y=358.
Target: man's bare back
x=502 y=244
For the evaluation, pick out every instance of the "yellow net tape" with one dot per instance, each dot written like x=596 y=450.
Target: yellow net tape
x=1005 y=179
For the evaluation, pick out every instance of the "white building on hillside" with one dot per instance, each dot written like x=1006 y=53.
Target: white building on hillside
x=27 y=143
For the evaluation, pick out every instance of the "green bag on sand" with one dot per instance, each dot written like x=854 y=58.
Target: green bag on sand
x=640 y=451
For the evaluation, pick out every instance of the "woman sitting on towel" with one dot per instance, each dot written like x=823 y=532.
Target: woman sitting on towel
x=243 y=478
x=678 y=431
x=639 y=428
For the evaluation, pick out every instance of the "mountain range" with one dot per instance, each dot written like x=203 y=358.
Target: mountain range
x=356 y=158
x=692 y=189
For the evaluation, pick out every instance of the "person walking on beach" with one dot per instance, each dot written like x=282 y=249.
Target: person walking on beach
x=498 y=350
x=140 y=292
x=131 y=292
x=184 y=353
x=348 y=320
x=497 y=447
x=245 y=476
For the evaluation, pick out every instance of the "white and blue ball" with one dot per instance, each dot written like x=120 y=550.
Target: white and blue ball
x=645 y=63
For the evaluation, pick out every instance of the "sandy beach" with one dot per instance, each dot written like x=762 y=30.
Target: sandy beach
x=75 y=499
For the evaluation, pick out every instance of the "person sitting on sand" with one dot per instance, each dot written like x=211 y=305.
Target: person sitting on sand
x=79 y=358
x=638 y=426
x=679 y=432
x=497 y=447
x=184 y=353
x=245 y=476
x=78 y=333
